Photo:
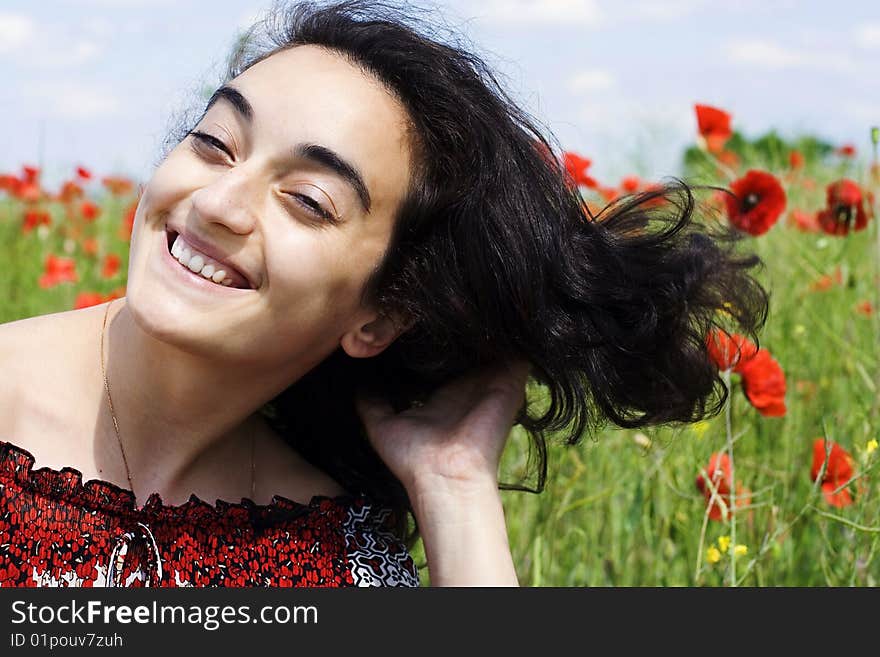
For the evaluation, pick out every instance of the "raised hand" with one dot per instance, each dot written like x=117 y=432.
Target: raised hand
x=446 y=454
x=457 y=436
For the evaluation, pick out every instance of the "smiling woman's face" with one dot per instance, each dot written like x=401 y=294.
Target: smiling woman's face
x=302 y=203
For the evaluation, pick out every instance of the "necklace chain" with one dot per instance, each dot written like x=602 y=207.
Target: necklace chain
x=116 y=424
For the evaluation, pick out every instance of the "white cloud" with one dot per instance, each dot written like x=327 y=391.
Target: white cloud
x=61 y=54
x=591 y=80
x=618 y=116
x=867 y=35
x=661 y=10
x=770 y=55
x=58 y=44
x=15 y=30
x=764 y=53
x=83 y=51
x=70 y=100
x=541 y=12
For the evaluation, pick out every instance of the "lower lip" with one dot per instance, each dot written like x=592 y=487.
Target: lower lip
x=188 y=277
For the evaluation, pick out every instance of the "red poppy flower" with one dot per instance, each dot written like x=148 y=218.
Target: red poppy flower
x=117 y=185
x=726 y=350
x=127 y=224
x=719 y=474
x=34 y=218
x=757 y=202
x=9 y=183
x=657 y=200
x=118 y=293
x=90 y=246
x=30 y=174
x=577 y=168
x=714 y=126
x=865 y=308
x=764 y=383
x=70 y=191
x=826 y=281
x=762 y=378
x=720 y=504
x=845 y=209
x=838 y=472
x=28 y=188
x=83 y=173
x=796 y=159
x=847 y=150
x=86 y=299
x=630 y=184
x=111 y=265
x=58 y=270
x=89 y=211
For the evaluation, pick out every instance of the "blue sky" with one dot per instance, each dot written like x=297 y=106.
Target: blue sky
x=96 y=82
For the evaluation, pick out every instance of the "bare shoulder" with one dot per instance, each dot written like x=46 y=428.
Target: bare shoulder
x=32 y=336
x=36 y=355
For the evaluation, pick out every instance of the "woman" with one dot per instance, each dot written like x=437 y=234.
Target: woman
x=340 y=278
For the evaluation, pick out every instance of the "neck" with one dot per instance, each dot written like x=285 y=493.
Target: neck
x=182 y=419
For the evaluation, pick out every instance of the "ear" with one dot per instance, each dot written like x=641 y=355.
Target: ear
x=373 y=337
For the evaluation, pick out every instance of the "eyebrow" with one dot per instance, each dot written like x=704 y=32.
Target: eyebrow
x=316 y=153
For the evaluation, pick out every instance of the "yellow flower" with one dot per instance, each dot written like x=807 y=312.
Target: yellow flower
x=871 y=446
x=725 y=309
x=700 y=428
x=740 y=550
x=713 y=555
x=723 y=543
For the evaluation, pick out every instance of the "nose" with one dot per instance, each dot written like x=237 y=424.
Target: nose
x=230 y=199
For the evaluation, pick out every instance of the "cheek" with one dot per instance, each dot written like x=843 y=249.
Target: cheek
x=320 y=275
x=173 y=180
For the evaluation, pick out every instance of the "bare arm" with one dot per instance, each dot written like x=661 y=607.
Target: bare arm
x=465 y=535
x=446 y=454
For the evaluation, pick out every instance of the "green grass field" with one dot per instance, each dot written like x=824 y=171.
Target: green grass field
x=622 y=508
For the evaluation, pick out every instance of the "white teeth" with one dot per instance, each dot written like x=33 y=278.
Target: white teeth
x=195 y=262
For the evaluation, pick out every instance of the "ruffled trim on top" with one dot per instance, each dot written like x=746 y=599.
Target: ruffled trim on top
x=96 y=494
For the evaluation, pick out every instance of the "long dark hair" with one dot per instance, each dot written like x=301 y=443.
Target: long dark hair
x=494 y=256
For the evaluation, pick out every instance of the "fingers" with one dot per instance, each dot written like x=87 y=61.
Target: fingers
x=502 y=385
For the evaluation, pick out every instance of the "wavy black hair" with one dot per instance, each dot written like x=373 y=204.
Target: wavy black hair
x=494 y=256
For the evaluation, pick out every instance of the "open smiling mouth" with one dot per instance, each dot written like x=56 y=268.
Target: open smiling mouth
x=203 y=267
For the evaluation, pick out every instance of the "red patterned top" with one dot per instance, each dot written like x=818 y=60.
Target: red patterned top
x=55 y=531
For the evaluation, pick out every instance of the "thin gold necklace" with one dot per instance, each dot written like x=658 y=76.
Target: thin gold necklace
x=116 y=424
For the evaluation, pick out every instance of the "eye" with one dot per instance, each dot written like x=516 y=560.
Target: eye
x=211 y=141
x=313 y=200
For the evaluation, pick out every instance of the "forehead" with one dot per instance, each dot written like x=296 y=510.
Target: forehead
x=312 y=94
